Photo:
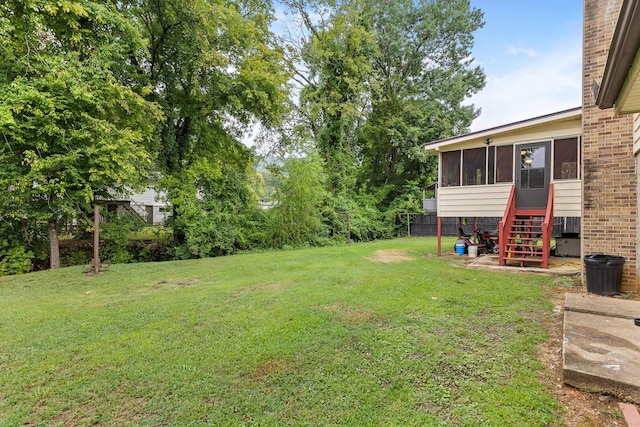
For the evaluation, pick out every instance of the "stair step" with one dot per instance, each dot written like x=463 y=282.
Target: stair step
x=520 y=237
x=523 y=241
x=526 y=254
x=531 y=212
x=524 y=259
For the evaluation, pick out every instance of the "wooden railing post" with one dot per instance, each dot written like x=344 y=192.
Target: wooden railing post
x=547 y=229
x=507 y=221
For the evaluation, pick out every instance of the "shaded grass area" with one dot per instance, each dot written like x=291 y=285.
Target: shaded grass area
x=327 y=336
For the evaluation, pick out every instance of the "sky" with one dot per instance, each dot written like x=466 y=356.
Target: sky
x=531 y=53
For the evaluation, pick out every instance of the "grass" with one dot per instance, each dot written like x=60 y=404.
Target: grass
x=328 y=336
x=155 y=232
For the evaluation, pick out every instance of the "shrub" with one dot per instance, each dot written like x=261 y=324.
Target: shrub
x=115 y=232
x=16 y=260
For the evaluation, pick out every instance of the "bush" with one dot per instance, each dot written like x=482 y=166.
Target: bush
x=114 y=234
x=16 y=260
x=297 y=217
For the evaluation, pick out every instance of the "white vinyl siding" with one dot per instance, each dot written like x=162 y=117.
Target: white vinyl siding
x=147 y=198
x=491 y=200
x=473 y=201
x=567 y=198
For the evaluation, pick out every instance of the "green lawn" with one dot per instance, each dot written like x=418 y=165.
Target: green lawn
x=328 y=336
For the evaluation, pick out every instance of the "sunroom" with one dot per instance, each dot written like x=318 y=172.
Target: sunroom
x=527 y=173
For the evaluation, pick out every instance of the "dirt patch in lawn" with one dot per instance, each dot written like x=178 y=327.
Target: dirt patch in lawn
x=83 y=414
x=581 y=408
x=388 y=256
x=268 y=367
x=174 y=284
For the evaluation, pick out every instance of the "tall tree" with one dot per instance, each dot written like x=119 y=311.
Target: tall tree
x=216 y=72
x=382 y=78
x=424 y=75
x=297 y=218
x=337 y=52
x=70 y=130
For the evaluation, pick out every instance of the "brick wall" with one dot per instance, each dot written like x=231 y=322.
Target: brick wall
x=609 y=213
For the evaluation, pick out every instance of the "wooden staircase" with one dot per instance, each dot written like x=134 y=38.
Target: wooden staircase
x=524 y=239
x=131 y=211
x=525 y=234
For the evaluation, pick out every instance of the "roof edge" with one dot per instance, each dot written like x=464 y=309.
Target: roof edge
x=622 y=52
x=506 y=127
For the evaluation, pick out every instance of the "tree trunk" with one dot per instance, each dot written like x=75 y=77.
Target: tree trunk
x=54 y=247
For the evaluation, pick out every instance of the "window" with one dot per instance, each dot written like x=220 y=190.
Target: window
x=532 y=167
x=473 y=166
x=504 y=163
x=451 y=169
x=565 y=158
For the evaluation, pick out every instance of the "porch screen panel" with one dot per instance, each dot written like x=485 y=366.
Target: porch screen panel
x=565 y=158
x=491 y=165
x=474 y=164
x=504 y=163
x=451 y=169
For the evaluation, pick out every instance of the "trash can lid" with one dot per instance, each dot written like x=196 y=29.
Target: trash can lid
x=599 y=259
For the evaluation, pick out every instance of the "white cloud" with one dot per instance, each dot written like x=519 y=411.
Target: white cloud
x=539 y=85
x=522 y=51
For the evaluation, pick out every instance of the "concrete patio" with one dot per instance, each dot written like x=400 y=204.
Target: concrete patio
x=557 y=265
x=601 y=346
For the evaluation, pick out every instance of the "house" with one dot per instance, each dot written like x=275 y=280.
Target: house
x=150 y=205
x=521 y=163
x=579 y=163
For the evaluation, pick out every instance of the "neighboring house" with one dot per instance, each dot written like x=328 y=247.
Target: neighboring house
x=150 y=205
x=576 y=163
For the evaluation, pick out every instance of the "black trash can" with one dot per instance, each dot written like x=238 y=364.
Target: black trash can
x=604 y=274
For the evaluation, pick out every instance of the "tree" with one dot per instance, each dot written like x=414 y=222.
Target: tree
x=217 y=208
x=424 y=74
x=297 y=217
x=382 y=79
x=70 y=130
x=337 y=54
x=215 y=71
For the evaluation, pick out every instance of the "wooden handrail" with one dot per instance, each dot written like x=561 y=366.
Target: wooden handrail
x=507 y=221
x=547 y=229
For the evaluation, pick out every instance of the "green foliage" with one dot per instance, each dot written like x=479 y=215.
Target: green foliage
x=381 y=80
x=339 y=55
x=424 y=74
x=355 y=219
x=408 y=203
x=70 y=128
x=115 y=236
x=296 y=218
x=80 y=255
x=15 y=260
x=215 y=72
x=96 y=94
x=216 y=207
